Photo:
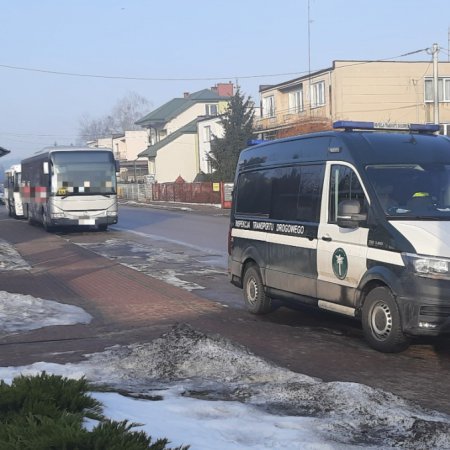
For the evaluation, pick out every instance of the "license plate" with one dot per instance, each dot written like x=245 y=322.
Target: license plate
x=86 y=221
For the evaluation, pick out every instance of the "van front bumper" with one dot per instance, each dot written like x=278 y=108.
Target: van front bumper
x=425 y=316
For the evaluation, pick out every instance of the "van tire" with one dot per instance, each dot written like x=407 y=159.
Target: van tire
x=256 y=300
x=381 y=322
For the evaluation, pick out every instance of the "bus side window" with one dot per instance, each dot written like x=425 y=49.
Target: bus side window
x=344 y=185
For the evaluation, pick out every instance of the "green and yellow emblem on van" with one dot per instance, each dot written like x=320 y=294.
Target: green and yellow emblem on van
x=340 y=263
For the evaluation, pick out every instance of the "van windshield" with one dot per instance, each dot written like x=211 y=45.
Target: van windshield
x=412 y=191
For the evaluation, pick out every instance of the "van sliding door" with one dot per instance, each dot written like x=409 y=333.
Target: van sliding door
x=295 y=208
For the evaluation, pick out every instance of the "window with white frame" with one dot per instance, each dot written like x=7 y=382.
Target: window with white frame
x=268 y=106
x=296 y=101
x=317 y=94
x=207 y=134
x=211 y=110
x=445 y=129
x=443 y=90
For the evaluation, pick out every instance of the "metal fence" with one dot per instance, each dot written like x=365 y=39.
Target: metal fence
x=138 y=192
x=170 y=192
x=200 y=192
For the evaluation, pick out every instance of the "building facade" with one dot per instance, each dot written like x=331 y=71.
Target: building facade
x=174 y=148
x=379 y=91
x=126 y=148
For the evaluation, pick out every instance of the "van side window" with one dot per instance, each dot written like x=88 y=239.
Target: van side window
x=296 y=193
x=308 y=209
x=344 y=185
x=284 y=193
x=253 y=193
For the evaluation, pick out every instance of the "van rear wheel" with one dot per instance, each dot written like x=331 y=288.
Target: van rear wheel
x=256 y=300
x=381 y=322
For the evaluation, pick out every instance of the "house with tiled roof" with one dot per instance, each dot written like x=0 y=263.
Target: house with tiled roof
x=174 y=136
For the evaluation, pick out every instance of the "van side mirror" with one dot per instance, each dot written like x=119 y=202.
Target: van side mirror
x=349 y=214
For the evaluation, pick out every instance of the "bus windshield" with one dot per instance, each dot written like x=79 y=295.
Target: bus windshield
x=412 y=191
x=83 y=173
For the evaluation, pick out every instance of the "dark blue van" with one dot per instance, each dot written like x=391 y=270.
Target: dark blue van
x=354 y=221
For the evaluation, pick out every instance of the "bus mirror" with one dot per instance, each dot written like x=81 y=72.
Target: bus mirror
x=45 y=167
x=117 y=165
x=349 y=214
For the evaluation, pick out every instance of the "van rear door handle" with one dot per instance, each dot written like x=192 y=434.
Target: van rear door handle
x=326 y=238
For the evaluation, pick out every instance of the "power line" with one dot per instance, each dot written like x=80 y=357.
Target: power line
x=135 y=78
x=119 y=77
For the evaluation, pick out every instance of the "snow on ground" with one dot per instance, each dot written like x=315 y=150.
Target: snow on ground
x=10 y=258
x=213 y=394
x=24 y=312
x=147 y=259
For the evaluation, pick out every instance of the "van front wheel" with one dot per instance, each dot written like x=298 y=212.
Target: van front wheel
x=381 y=322
x=256 y=300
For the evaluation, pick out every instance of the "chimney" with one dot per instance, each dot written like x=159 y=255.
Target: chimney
x=224 y=89
x=186 y=94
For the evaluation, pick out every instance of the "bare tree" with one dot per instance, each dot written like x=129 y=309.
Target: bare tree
x=122 y=118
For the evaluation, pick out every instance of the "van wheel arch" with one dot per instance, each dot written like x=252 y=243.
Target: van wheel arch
x=248 y=262
x=370 y=286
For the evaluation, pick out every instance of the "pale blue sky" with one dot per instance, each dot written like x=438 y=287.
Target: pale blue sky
x=211 y=41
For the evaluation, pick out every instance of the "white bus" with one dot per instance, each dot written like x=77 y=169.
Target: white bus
x=70 y=186
x=13 y=198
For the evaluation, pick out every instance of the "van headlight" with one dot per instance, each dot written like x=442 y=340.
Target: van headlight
x=428 y=266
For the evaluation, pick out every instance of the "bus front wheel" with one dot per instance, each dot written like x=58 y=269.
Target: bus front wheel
x=256 y=299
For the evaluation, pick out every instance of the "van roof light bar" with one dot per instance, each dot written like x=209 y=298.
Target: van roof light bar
x=350 y=125
x=252 y=142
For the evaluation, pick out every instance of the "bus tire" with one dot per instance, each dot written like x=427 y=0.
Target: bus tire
x=28 y=216
x=256 y=299
x=46 y=222
x=102 y=227
x=381 y=322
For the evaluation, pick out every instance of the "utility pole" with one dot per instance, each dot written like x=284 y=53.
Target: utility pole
x=309 y=58
x=435 y=53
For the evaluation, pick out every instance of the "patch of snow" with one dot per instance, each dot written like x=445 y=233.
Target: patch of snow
x=216 y=394
x=10 y=258
x=24 y=312
x=147 y=259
